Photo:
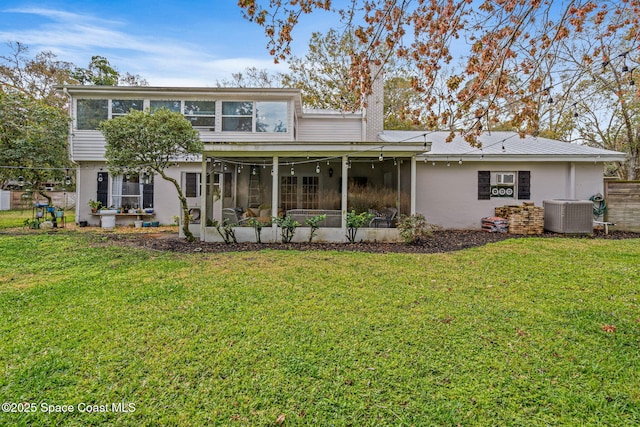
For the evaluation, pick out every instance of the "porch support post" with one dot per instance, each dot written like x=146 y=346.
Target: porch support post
x=399 y=188
x=203 y=198
x=274 y=196
x=345 y=188
x=413 y=185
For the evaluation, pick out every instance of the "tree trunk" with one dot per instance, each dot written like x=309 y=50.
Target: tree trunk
x=46 y=196
x=189 y=237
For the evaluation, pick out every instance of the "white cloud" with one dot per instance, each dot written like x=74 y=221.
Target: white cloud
x=162 y=61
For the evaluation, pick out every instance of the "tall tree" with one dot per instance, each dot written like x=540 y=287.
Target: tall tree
x=35 y=76
x=33 y=140
x=252 y=77
x=101 y=73
x=494 y=39
x=323 y=75
x=146 y=142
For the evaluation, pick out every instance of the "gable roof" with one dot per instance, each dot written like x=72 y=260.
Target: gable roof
x=501 y=146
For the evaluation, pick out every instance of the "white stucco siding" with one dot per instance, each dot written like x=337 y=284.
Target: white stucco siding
x=589 y=180
x=165 y=197
x=448 y=196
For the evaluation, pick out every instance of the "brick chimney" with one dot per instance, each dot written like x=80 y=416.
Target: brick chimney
x=374 y=111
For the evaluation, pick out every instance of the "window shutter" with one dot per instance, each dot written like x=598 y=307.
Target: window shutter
x=524 y=185
x=103 y=188
x=484 y=185
x=147 y=195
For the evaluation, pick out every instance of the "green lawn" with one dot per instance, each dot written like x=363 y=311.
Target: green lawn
x=529 y=332
x=16 y=218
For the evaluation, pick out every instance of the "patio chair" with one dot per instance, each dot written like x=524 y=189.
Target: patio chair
x=384 y=219
x=231 y=215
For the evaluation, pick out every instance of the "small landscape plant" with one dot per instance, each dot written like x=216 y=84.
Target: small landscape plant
x=94 y=205
x=356 y=221
x=414 y=228
x=225 y=229
x=257 y=227
x=287 y=227
x=314 y=223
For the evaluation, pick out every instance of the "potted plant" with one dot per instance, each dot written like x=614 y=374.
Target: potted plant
x=94 y=205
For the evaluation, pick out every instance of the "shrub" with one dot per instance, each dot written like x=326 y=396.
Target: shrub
x=314 y=223
x=257 y=227
x=414 y=228
x=287 y=227
x=355 y=221
x=225 y=229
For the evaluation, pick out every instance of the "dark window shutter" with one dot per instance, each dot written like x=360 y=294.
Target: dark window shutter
x=191 y=185
x=147 y=195
x=484 y=185
x=103 y=188
x=524 y=185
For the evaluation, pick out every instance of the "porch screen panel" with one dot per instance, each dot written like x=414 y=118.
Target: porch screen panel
x=288 y=192
x=310 y=192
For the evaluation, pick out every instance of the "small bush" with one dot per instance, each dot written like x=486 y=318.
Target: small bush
x=314 y=223
x=414 y=228
x=257 y=227
x=355 y=221
x=287 y=227
x=225 y=229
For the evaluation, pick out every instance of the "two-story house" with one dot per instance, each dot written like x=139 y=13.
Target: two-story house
x=265 y=155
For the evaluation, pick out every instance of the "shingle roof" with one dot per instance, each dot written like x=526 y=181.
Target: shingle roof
x=502 y=146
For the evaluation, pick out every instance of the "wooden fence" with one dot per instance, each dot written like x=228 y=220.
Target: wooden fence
x=623 y=204
x=23 y=200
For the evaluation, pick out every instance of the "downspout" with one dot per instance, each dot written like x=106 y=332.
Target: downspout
x=345 y=189
x=274 y=196
x=413 y=185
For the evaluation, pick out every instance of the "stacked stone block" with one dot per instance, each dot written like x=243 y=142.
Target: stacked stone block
x=525 y=219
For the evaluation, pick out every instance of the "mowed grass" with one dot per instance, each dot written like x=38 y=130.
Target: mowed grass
x=16 y=218
x=528 y=332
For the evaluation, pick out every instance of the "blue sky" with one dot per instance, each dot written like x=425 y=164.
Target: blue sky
x=170 y=43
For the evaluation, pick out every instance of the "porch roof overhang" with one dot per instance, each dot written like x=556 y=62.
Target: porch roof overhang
x=314 y=149
x=477 y=157
x=504 y=147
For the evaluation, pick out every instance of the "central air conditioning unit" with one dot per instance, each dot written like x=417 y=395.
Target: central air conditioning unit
x=568 y=216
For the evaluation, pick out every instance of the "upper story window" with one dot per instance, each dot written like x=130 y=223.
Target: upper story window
x=120 y=107
x=237 y=116
x=90 y=112
x=174 y=106
x=271 y=116
x=201 y=113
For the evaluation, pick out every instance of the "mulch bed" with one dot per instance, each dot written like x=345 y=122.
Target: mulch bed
x=439 y=242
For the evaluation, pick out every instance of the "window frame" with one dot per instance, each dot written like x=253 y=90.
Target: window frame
x=196 y=176
x=89 y=121
x=239 y=117
x=491 y=185
x=194 y=116
x=113 y=115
